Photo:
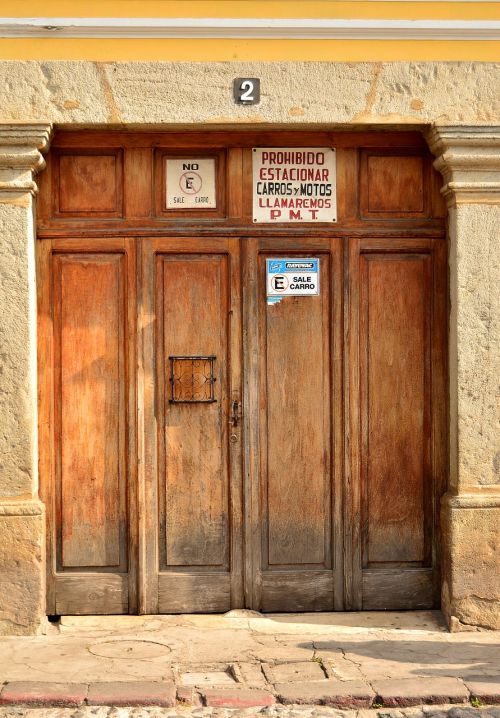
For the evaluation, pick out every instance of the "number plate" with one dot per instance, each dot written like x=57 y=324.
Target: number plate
x=246 y=90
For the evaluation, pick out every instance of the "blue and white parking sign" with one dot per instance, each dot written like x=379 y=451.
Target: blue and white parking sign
x=290 y=277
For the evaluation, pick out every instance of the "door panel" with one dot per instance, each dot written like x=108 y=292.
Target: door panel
x=395 y=377
x=395 y=301
x=194 y=486
x=296 y=397
x=298 y=493
x=192 y=290
x=88 y=336
x=90 y=360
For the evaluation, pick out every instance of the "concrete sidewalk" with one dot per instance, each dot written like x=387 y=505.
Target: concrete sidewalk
x=244 y=659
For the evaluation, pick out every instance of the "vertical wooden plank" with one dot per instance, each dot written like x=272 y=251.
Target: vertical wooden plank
x=131 y=508
x=336 y=368
x=304 y=579
x=147 y=499
x=347 y=184
x=235 y=358
x=45 y=410
x=234 y=182
x=89 y=303
x=247 y=186
x=352 y=496
x=253 y=573
x=439 y=402
x=45 y=199
x=138 y=182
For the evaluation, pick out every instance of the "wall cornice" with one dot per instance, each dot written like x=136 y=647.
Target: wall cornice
x=249 y=28
x=468 y=157
x=488 y=498
x=21 y=148
x=29 y=507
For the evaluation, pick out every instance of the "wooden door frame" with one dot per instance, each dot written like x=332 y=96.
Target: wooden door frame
x=139 y=217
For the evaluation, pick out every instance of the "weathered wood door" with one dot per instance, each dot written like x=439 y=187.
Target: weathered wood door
x=294 y=443
x=280 y=466
x=87 y=430
x=197 y=424
x=395 y=421
x=190 y=387
x=202 y=448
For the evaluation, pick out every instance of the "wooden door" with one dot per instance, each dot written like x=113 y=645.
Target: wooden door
x=396 y=421
x=202 y=449
x=190 y=387
x=86 y=355
x=293 y=409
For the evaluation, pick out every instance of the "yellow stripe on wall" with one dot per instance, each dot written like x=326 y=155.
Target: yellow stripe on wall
x=260 y=8
x=220 y=50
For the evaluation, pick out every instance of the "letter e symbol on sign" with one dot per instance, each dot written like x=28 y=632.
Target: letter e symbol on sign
x=279 y=283
x=190 y=182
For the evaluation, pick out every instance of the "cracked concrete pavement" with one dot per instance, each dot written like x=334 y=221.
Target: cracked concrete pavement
x=246 y=650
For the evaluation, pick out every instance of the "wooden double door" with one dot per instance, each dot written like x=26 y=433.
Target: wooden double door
x=203 y=449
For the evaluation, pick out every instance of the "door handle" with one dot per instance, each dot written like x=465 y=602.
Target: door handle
x=235 y=413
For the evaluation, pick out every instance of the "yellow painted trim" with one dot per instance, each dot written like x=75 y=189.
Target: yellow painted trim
x=259 y=8
x=217 y=50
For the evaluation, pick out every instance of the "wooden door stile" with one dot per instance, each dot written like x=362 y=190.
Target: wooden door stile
x=147 y=443
x=253 y=574
x=352 y=497
x=45 y=364
x=337 y=449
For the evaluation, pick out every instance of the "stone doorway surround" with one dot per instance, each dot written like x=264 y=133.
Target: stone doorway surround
x=468 y=156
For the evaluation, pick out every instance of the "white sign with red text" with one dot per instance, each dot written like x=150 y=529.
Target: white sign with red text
x=294 y=184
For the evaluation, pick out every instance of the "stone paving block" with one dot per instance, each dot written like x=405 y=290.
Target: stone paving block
x=236 y=698
x=250 y=674
x=486 y=688
x=338 y=694
x=341 y=669
x=133 y=693
x=300 y=672
x=188 y=695
x=415 y=691
x=210 y=678
x=43 y=694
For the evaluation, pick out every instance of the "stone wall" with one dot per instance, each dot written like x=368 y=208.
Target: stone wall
x=22 y=525
x=461 y=100
x=72 y=93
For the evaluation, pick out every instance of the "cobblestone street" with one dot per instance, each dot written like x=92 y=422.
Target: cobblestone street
x=275 y=711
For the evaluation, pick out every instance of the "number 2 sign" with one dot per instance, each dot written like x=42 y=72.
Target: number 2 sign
x=246 y=90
